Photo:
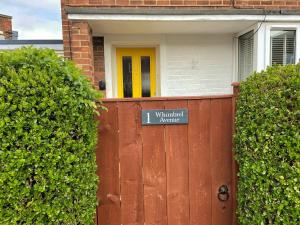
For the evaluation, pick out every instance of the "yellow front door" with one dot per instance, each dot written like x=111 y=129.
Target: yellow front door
x=136 y=72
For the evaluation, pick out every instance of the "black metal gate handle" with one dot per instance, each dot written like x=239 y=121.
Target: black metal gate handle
x=223 y=194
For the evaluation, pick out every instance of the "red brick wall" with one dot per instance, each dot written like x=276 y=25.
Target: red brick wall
x=78 y=44
x=81 y=43
x=66 y=24
x=6 y=26
x=212 y=3
x=98 y=49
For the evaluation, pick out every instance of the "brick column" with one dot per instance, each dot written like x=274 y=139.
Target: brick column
x=66 y=30
x=81 y=48
x=78 y=43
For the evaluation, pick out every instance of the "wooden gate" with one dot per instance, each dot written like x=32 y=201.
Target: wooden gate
x=166 y=174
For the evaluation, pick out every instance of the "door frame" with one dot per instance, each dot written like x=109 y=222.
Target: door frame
x=113 y=41
x=135 y=53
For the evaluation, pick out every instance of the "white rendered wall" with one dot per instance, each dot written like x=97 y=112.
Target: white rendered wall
x=198 y=65
x=187 y=64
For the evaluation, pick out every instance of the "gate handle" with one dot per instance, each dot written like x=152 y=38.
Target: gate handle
x=223 y=194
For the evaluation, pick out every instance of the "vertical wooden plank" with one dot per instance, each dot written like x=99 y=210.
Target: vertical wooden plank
x=177 y=161
x=154 y=170
x=221 y=158
x=199 y=162
x=130 y=151
x=107 y=156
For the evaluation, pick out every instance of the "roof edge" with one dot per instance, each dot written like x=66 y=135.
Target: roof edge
x=177 y=11
x=31 y=42
x=5 y=16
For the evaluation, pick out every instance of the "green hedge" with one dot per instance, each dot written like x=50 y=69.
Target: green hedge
x=47 y=140
x=268 y=147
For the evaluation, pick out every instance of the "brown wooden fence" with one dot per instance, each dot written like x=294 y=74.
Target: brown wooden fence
x=166 y=174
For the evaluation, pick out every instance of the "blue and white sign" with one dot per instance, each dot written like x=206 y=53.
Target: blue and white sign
x=164 y=116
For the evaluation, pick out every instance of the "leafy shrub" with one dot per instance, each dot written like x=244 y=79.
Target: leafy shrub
x=268 y=147
x=47 y=140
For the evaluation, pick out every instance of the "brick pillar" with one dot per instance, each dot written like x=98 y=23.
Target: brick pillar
x=81 y=46
x=6 y=26
x=78 y=43
x=66 y=24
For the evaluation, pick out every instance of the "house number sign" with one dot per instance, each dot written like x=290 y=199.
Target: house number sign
x=164 y=116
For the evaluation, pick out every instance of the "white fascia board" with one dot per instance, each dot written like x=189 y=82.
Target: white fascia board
x=268 y=18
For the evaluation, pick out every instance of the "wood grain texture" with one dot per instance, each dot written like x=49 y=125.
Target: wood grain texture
x=166 y=174
x=130 y=151
x=107 y=156
x=221 y=158
x=154 y=170
x=177 y=162
x=199 y=162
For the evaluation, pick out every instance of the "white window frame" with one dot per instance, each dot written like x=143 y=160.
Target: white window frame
x=236 y=50
x=262 y=44
x=283 y=26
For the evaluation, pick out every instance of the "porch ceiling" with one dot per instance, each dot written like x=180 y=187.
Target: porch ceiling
x=101 y=27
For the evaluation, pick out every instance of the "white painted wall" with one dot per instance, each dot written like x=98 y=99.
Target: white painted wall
x=187 y=64
x=198 y=65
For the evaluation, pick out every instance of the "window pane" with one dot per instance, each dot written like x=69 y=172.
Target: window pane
x=145 y=71
x=245 y=64
x=283 y=45
x=127 y=76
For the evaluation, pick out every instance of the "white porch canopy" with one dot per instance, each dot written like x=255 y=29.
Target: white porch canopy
x=158 y=21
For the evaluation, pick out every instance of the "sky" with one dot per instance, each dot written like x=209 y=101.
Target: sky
x=34 y=19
